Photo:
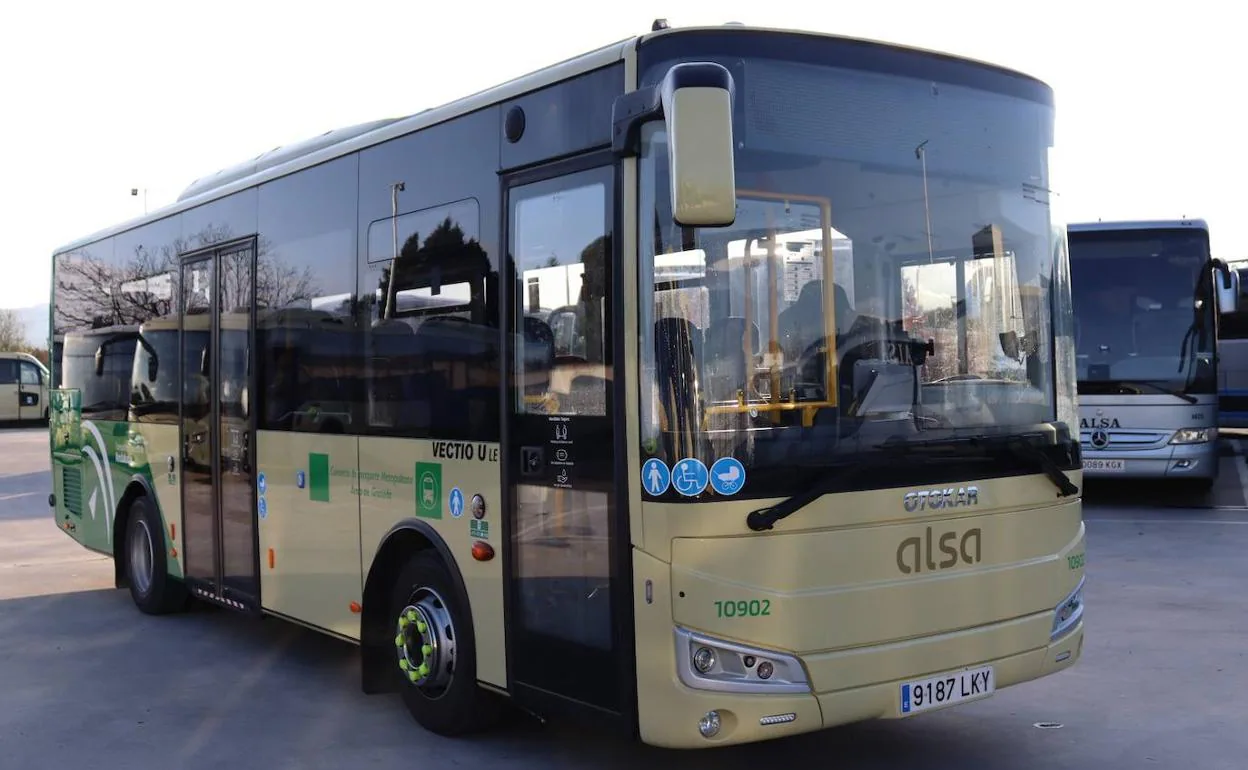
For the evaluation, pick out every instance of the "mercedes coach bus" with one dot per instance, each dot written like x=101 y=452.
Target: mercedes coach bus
x=1146 y=299
x=711 y=385
x=1233 y=359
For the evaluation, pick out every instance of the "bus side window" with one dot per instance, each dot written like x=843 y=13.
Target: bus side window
x=431 y=346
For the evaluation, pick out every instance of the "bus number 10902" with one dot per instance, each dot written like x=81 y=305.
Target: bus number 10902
x=741 y=608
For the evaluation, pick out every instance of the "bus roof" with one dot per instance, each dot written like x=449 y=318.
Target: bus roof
x=1141 y=224
x=285 y=160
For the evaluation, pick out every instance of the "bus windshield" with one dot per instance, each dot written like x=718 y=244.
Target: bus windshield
x=1144 y=314
x=883 y=286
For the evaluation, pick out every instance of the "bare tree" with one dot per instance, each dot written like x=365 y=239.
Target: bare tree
x=12 y=331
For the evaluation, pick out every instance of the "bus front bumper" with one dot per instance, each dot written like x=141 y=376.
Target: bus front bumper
x=839 y=687
x=690 y=718
x=1171 y=461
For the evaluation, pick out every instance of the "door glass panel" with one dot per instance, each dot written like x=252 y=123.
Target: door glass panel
x=198 y=503
x=30 y=375
x=32 y=404
x=562 y=445
x=234 y=413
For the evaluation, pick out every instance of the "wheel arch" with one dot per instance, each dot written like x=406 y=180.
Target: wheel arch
x=404 y=539
x=138 y=486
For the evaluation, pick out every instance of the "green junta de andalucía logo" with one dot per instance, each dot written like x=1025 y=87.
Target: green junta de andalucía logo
x=429 y=490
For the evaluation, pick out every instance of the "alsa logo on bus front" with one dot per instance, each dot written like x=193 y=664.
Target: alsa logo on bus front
x=1099 y=422
x=916 y=554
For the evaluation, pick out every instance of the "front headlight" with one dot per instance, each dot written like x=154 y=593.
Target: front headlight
x=1068 y=613
x=706 y=663
x=1194 y=435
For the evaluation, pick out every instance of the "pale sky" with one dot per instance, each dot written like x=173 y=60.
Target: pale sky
x=99 y=98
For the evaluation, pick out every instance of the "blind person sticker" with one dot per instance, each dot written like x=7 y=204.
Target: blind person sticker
x=655 y=476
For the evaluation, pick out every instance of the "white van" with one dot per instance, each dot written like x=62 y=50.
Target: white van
x=23 y=387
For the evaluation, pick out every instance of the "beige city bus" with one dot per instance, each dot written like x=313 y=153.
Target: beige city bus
x=713 y=386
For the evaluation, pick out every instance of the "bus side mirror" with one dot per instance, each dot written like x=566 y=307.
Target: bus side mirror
x=1227 y=282
x=99 y=361
x=695 y=102
x=697 y=111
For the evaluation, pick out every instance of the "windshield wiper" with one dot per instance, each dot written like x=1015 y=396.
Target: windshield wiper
x=1188 y=397
x=1018 y=446
x=766 y=518
x=1024 y=449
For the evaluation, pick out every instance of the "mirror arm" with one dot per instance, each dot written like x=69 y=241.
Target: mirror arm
x=635 y=108
x=628 y=113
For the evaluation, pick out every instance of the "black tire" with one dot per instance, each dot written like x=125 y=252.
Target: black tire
x=459 y=706
x=154 y=592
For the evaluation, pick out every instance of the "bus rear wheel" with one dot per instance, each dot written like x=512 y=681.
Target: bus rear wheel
x=147 y=570
x=435 y=651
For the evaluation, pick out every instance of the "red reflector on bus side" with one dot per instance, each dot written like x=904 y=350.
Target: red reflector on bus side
x=482 y=551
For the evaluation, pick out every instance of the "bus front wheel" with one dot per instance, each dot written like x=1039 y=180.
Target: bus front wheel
x=435 y=652
x=147 y=571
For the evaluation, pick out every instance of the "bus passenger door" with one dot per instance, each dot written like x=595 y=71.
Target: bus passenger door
x=566 y=603
x=216 y=351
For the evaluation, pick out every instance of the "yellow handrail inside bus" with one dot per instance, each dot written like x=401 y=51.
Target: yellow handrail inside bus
x=775 y=405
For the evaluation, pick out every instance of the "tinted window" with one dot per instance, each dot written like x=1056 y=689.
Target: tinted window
x=145 y=272
x=154 y=378
x=8 y=371
x=105 y=293
x=80 y=288
x=306 y=325
x=220 y=221
x=106 y=392
x=432 y=358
